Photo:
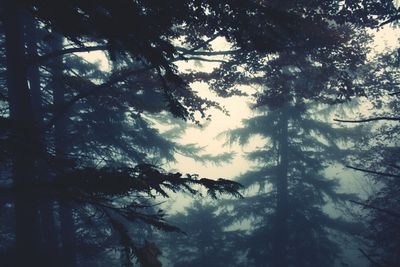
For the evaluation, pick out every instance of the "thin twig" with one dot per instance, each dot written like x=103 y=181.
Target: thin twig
x=395 y=93
x=369 y=258
x=370 y=119
x=388 y=212
x=373 y=172
x=59 y=53
x=207 y=53
x=205 y=59
x=390 y=20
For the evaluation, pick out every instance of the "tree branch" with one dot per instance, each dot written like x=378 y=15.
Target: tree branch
x=204 y=59
x=206 y=53
x=99 y=88
x=95 y=90
x=388 y=212
x=373 y=172
x=394 y=93
x=369 y=258
x=370 y=119
x=390 y=20
x=206 y=42
x=88 y=49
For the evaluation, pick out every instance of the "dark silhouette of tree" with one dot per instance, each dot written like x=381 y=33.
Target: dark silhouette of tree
x=21 y=112
x=73 y=168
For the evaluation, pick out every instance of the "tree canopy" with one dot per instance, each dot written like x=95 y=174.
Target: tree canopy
x=84 y=157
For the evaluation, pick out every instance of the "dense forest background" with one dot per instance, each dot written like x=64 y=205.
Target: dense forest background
x=199 y=133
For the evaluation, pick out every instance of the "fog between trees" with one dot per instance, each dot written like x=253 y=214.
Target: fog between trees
x=199 y=133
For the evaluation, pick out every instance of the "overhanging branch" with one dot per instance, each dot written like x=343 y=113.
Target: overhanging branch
x=96 y=89
x=59 y=53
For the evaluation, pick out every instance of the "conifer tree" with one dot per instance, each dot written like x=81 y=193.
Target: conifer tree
x=378 y=159
x=299 y=145
x=44 y=168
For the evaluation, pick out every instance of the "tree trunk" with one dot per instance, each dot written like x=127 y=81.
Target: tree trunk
x=46 y=203
x=21 y=114
x=281 y=224
x=66 y=212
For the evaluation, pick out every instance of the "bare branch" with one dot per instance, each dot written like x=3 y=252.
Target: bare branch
x=206 y=42
x=394 y=93
x=48 y=56
x=205 y=59
x=373 y=172
x=370 y=119
x=206 y=53
x=388 y=212
x=369 y=258
x=390 y=20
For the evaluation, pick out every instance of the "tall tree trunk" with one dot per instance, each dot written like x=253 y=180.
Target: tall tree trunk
x=46 y=204
x=21 y=114
x=66 y=212
x=281 y=223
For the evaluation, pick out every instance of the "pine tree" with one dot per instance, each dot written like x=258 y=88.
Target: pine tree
x=206 y=243
x=44 y=173
x=292 y=188
x=378 y=159
x=21 y=114
x=70 y=171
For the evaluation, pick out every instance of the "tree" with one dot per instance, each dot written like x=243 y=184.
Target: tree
x=148 y=49
x=21 y=112
x=69 y=178
x=378 y=159
x=206 y=243
x=292 y=189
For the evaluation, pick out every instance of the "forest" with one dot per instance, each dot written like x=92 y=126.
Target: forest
x=186 y=133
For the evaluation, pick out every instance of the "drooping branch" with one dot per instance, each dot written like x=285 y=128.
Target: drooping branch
x=143 y=178
x=373 y=172
x=383 y=118
x=388 y=212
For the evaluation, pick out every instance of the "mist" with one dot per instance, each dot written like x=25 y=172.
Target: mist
x=192 y=134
